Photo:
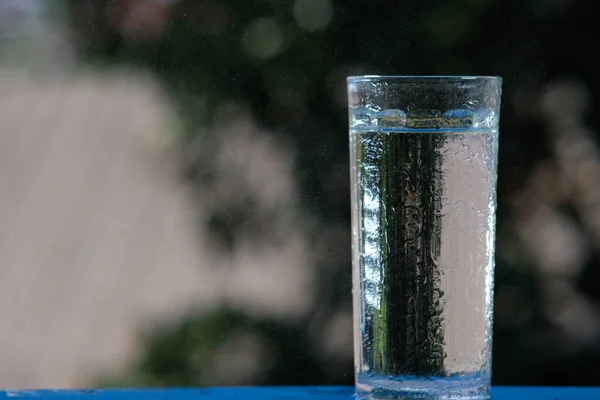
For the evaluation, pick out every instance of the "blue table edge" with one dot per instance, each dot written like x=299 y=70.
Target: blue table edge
x=284 y=392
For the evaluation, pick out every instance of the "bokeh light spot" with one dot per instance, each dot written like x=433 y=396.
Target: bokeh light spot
x=313 y=15
x=448 y=26
x=262 y=39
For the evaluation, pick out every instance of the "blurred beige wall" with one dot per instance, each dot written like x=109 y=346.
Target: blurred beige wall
x=97 y=231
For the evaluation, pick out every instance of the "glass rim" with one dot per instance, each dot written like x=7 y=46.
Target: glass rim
x=441 y=78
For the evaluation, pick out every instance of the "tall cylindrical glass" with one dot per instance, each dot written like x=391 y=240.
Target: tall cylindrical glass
x=423 y=154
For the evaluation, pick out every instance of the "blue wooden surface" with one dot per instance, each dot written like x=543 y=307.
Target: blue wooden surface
x=280 y=393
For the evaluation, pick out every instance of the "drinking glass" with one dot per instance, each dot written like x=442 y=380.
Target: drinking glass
x=423 y=159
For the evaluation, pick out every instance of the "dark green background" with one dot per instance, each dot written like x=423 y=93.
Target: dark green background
x=198 y=54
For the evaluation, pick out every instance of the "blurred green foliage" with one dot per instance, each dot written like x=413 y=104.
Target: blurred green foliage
x=286 y=61
x=177 y=357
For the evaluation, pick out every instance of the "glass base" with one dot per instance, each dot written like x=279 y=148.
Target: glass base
x=423 y=388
